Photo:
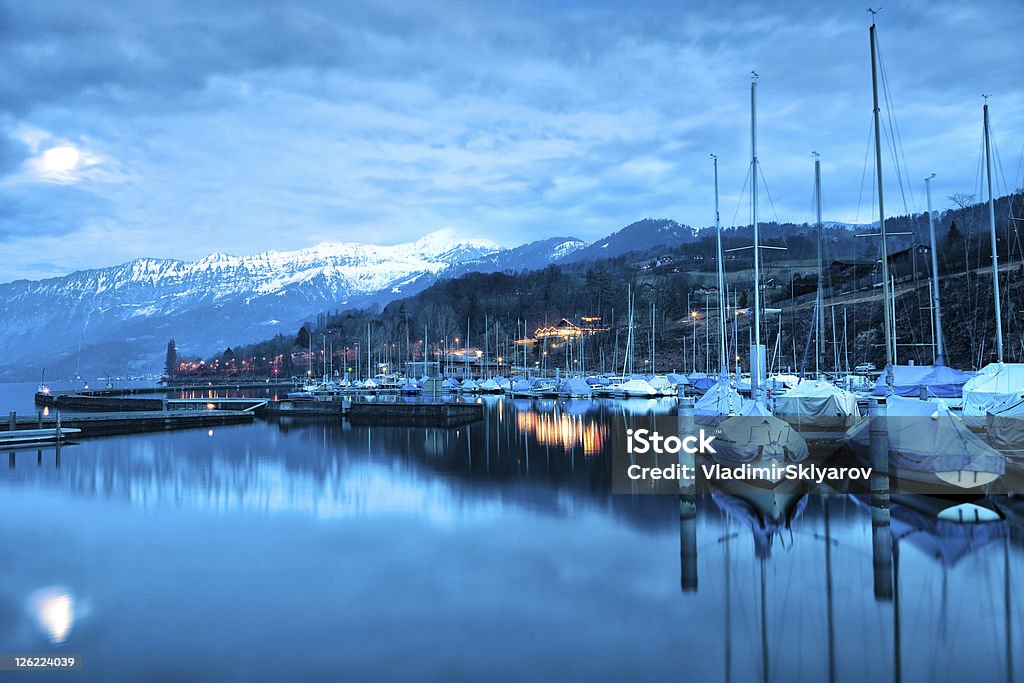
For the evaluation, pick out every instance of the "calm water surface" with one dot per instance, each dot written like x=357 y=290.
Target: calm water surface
x=297 y=550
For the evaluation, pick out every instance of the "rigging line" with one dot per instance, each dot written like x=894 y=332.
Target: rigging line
x=1001 y=176
x=891 y=146
x=888 y=132
x=864 y=170
x=739 y=202
x=898 y=137
x=827 y=275
x=769 y=193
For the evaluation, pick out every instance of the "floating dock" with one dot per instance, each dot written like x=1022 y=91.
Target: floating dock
x=29 y=437
x=334 y=408
x=48 y=399
x=435 y=414
x=107 y=424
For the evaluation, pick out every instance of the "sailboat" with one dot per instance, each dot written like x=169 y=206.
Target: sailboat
x=997 y=382
x=755 y=436
x=938 y=379
x=720 y=399
x=926 y=442
x=817 y=403
x=1005 y=431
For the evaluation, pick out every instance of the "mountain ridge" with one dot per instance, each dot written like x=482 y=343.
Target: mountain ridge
x=220 y=298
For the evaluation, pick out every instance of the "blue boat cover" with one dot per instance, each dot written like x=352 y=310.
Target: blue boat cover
x=942 y=381
x=702 y=384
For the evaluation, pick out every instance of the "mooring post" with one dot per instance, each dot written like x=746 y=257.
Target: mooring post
x=58 y=426
x=39 y=419
x=687 y=501
x=12 y=424
x=881 y=532
x=685 y=427
x=879 y=445
x=922 y=392
x=881 y=551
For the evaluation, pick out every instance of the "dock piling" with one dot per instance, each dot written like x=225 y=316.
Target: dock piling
x=879 y=445
x=687 y=503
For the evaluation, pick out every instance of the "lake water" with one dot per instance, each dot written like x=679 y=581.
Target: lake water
x=307 y=551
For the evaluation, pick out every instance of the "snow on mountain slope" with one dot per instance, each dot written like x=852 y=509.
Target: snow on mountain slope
x=220 y=299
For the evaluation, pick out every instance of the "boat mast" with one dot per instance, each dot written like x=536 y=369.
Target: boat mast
x=755 y=357
x=992 y=232
x=940 y=355
x=819 y=321
x=723 y=362
x=886 y=294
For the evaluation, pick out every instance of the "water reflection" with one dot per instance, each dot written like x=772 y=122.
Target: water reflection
x=53 y=610
x=564 y=429
x=937 y=603
x=500 y=535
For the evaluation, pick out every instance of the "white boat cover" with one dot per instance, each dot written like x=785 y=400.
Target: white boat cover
x=720 y=399
x=520 y=385
x=490 y=386
x=925 y=436
x=786 y=380
x=817 y=398
x=1006 y=426
x=754 y=434
x=575 y=386
x=662 y=384
x=636 y=387
x=469 y=385
x=993 y=386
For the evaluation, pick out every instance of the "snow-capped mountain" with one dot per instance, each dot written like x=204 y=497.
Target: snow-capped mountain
x=122 y=316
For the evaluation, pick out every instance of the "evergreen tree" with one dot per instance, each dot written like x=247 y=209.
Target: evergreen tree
x=302 y=338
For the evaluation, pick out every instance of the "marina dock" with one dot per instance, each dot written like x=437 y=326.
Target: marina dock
x=31 y=437
x=433 y=414
x=112 y=423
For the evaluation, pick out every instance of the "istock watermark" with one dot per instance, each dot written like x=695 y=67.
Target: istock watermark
x=641 y=441
x=665 y=454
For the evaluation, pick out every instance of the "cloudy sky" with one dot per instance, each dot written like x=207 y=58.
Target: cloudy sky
x=175 y=129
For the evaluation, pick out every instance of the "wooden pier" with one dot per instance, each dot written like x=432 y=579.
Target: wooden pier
x=108 y=424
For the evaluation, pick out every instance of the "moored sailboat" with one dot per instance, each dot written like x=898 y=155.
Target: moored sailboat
x=925 y=441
